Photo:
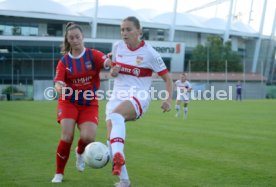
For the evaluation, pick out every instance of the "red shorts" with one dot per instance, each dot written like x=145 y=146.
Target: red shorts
x=80 y=114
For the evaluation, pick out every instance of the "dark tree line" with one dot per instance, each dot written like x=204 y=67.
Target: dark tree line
x=218 y=53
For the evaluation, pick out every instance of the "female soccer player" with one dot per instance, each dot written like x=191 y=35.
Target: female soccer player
x=77 y=80
x=183 y=88
x=134 y=61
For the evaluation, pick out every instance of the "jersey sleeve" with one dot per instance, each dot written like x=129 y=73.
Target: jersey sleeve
x=99 y=59
x=189 y=84
x=158 y=64
x=176 y=83
x=60 y=72
x=114 y=51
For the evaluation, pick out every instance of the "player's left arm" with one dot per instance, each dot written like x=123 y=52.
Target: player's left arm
x=159 y=66
x=101 y=60
x=166 y=104
x=189 y=87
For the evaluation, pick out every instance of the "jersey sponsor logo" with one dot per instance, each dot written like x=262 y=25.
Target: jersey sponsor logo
x=134 y=70
x=82 y=80
x=88 y=65
x=125 y=69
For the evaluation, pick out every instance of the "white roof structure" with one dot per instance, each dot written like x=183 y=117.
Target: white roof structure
x=49 y=9
x=113 y=12
x=38 y=6
x=44 y=9
x=182 y=19
x=241 y=27
x=148 y=13
x=237 y=27
x=215 y=23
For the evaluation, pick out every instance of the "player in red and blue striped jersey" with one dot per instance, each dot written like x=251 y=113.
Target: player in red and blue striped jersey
x=77 y=80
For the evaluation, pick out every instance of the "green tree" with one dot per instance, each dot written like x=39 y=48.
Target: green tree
x=218 y=53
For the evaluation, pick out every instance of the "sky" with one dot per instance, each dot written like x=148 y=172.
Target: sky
x=221 y=10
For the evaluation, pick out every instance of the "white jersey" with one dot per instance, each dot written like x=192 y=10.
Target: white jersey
x=137 y=67
x=182 y=89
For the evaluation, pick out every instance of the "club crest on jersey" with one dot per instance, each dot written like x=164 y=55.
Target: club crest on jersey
x=139 y=59
x=88 y=65
x=136 y=72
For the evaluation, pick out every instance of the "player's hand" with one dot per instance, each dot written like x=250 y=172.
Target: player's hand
x=109 y=55
x=59 y=85
x=166 y=106
x=114 y=71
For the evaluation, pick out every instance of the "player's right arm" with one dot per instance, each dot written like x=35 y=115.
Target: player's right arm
x=60 y=77
x=115 y=68
x=175 y=85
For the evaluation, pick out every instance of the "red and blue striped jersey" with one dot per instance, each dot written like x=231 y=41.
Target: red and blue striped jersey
x=81 y=76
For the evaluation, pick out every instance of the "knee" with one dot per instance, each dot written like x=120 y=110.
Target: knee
x=67 y=138
x=88 y=139
x=117 y=117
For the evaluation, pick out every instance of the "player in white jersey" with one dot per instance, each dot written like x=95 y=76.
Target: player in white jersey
x=183 y=88
x=134 y=62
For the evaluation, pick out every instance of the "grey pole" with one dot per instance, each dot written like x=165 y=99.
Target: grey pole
x=95 y=20
x=270 y=61
x=229 y=21
x=250 y=13
x=172 y=28
x=258 y=43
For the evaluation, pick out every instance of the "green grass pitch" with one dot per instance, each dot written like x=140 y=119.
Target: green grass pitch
x=222 y=143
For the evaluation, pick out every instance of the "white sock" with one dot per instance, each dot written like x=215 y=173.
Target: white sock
x=185 y=110
x=109 y=148
x=118 y=133
x=124 y=174
x=177 y=108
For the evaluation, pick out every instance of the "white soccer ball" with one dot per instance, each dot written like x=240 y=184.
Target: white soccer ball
x=96 y=155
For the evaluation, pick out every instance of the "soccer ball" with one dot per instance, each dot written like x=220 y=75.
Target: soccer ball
x=96 y=155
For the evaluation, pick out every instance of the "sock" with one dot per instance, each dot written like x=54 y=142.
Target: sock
x=185 y=111
x=177 y=108
x=109 y=148
x=124 y=174
x=81 y=146
x=118 y=133
x=117 y=138
x=62 y=156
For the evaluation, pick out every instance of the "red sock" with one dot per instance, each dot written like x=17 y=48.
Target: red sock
x=81 y=146
x=62 y=155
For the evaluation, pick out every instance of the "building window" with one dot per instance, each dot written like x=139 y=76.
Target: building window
x=54 y=29
x=145 y=35
x=160 y=35
x=16 y=30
